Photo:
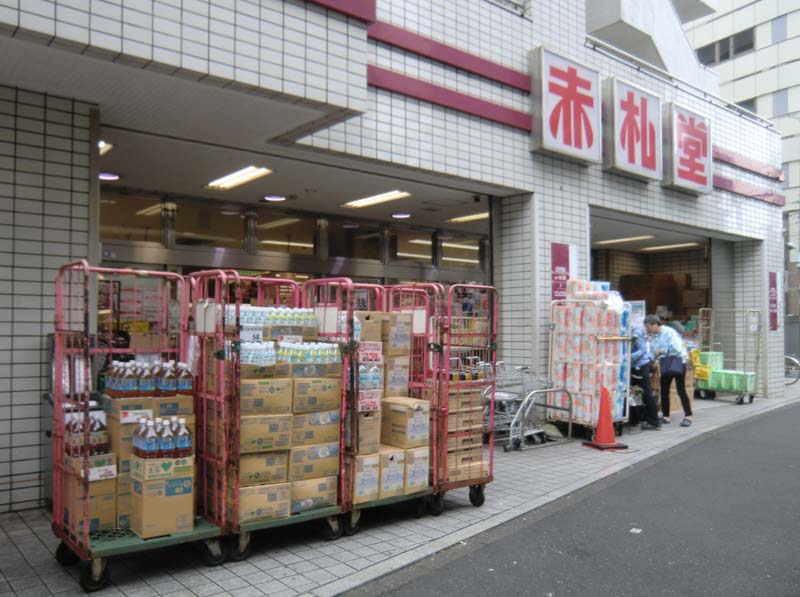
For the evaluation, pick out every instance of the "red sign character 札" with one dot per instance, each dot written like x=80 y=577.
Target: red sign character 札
x=569 y=114
x=638 y=129
x=693 y=147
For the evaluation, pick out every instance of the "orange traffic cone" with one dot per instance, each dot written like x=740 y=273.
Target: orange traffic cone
x=604 y=438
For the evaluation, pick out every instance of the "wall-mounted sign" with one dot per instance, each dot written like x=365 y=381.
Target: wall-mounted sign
x=772 y=285
x=563 y=259
x=566 y=105
x=687 y=150
x=631 y=130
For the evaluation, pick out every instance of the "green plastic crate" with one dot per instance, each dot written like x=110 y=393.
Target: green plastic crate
x=713 y=359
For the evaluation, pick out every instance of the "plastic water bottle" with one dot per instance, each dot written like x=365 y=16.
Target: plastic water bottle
x=166 y=442
x=363 y=377
x=375 y=377
x=183 y=440
x=150 y=445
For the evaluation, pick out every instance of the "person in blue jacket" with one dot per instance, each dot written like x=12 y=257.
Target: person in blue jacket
x=666 y=342
x=640 y=376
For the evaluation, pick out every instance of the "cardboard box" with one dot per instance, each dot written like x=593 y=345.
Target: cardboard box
x=365 y=478
x=124 y=489
x=465 y=420
x=316 y=394
x=143 y=341
x=468 y=472
x=310 y=462
x=393 y=471
x=102 y=497
x=262 y=433
x=167 y=406
x=396 y=334
x=311 y=494
x=463 y=442
x=265 y=372
x=128 y=410
x=369 y=400
x=101 y=466
x=395 y=375
x=417 y=465
x=464 y=457
x=326 y=370
x=694 y=298
x=369 y=433
x=162 y=507
x=464 y=399
x=290 y=333
x=263 y=502
x=316 y=428
x=266 y=396
x=371 y=325
x=370 y=352
x=259 y=469
x=150 y=469
x=405 y=422
x=121 y=437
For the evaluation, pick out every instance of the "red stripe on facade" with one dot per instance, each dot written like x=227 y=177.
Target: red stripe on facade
x=424 y=46
x=746 y=163
x=363 y=10
x=748 y=190
x=391 y=81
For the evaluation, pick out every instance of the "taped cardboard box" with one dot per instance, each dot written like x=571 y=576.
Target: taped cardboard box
x=265 y=371
x=102 y=497
x=396 y=334
x=369 y=432
x=396 y=372
x=121 y=437
x=260 y=469
x=366 y=477
x=262 y=433
x=316 y=428
x=465 y=420
x=100 y=466
x=405 y=422
x=311 y=494
x=128 y=410
x=310 y=370
x=316 y=394
x=162 y=507
x=371 y=325
x=262 y=502
x=369 y=400
x=417 y=465
x=464 y=399
x=309 y=462
x=266 y=396
x=150 y=469
x=168 y=406
x=124 y=488
x=290 y=333
x=462 y=442
x=393 y=471
x=466 y=456
x=468 y=472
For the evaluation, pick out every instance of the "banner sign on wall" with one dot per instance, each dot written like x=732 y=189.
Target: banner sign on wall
x=559 y=270
x=773 y=301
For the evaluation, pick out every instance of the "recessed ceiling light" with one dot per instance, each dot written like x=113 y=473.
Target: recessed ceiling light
x=665 y=247
x=420 y=241
x=375 y=199
x=274 y=198
x=459 y=260
x=104 y=147
x=285 y=243
x=240 y=177
x=278 y=223
x=414 y=255
x=350 y=225
x=108 y=176
x=156 y=208
x=401 y=216
x=629 y=239
x=230 y=212
x=470 y=218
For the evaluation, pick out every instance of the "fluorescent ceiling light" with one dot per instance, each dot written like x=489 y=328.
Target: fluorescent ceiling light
x=414 y=255
x=401 y=216
x=104 y=147
x=274 y=198
x=301 y=276
x=285 y=243
x=375 y=199
x=629 y=239
x=108 y=176
x=155 y=209
x=278 y=223
x=470 y=218
x=459 y=260
x=419 y=241
x=234 y=179
x=665 y=247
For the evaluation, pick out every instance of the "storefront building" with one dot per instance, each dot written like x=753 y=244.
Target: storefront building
x=523 y=148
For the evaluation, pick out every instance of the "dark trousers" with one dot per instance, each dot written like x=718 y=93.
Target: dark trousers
x=680 y=386
x=640 y=376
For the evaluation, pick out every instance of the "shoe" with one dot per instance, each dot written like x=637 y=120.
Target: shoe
x=686 y=423
x=663 y=421
x=650 y=427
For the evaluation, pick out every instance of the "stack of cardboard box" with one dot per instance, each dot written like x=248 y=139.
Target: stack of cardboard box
x=101 y=492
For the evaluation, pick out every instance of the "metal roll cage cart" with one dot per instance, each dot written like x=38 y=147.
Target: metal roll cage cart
x=84 y=344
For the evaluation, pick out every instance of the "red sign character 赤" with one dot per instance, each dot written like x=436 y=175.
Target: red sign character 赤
x=569 y=114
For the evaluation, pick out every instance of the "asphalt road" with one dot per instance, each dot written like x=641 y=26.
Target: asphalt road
x=717 y=516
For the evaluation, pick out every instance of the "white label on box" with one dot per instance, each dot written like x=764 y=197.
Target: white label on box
x=418 y=427
x=289 y=338
x=418 y=319
x=99 y=473
x=132 y=416
x=369 y=400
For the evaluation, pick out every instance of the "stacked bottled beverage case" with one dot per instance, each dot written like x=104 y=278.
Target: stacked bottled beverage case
x=162 y=438
x=136 y=379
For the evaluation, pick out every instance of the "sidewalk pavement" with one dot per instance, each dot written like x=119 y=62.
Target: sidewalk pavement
x=296 y=561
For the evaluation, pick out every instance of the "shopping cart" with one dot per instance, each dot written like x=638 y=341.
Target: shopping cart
x=526 y=427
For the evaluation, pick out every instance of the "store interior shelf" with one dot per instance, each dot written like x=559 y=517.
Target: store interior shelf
x=393 y=500
x=114 y=543
x=294 y=519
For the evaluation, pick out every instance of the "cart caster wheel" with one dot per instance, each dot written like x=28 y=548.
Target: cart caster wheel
x=436 y=504
x=751 y=398
x=352 y=523
x=65 y=556
x=712 y=395
x=213 y=552
x=420 y=507
x=589 y=433
x=516 y=444
x=239 y=547
x=506 y=448
x=740 y=399
x=91 y=581
x=332 y=528
x=476 y=495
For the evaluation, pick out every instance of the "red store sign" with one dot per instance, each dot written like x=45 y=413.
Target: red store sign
x=687 y=150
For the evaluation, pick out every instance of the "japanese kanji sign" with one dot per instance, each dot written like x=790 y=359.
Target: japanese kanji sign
x=687 y=150
x=632 y=134
x=566 y=107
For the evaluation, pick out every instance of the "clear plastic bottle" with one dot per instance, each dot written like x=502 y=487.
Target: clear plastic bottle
x=149 y=444
x=183 y=440
x=173 y=424
x=139 y=434
x=363 y=377
x=147 y=382
x=375 y=377
x=169 y=380
x=127 y=383
x=166 y=442
x=185 y=383
x=157 y=371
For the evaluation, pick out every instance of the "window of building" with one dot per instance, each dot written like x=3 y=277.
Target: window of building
x=129 y=217
x=748 y=104
x=725 y=49
x=201 y=225
x=780 y=102
x=461 y=251
x=743 y=41
x=411 y=246
x=779 y=29
x=284 y=233
x=707 y=54
x=354 y=240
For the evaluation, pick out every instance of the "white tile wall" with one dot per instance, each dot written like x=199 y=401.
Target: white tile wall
x=44 y=196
